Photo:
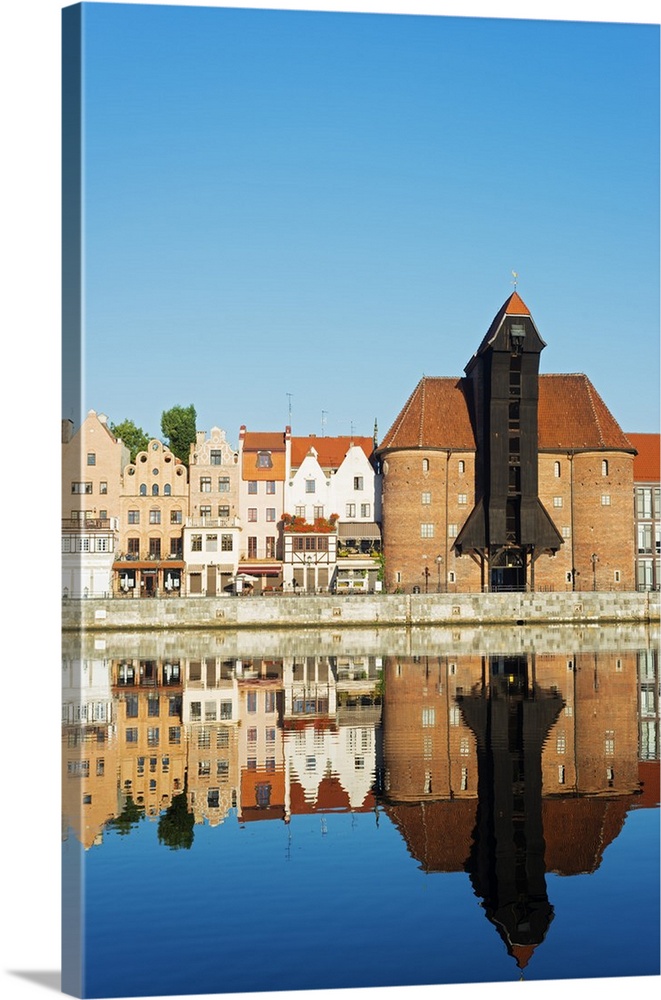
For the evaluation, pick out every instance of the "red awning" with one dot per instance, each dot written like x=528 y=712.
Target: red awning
x=260 y=570
x=128 y=564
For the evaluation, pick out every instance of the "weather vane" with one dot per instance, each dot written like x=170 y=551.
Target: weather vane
x=515 y=275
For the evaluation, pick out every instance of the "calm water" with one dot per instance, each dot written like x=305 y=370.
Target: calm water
x=253 y=812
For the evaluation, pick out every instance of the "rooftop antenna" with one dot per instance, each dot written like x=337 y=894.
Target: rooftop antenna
x=324 y=414
x=289 y=395
x=515 y=275
x=352 y=433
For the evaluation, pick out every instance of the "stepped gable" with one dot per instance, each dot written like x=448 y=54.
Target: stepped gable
x=434 y=416
x=331 y=451
x=572 y=415
x=646 y=464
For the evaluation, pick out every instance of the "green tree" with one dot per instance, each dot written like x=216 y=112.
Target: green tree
x=133 y=437
x=129 y=818
x=175 y=825
x=178 y=426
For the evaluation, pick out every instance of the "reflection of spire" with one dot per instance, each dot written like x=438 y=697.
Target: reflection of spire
x=511 y=717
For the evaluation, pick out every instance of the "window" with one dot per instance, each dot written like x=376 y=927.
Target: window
x=310 y=486
x=644 y=502
x=223 y=484
x=133 y=546
x=269 y=701
x=155 y=548
x=561 y=774
x=223 y=769
x=428 y=717
x=226 y=543
x=215 y=457
x=91 y=458
x=464 y=779
x=81 y=487
x=609 y=742
x=225 y=711
x=425 y=498
x=251 y=734
x=196 y=711
x=205 y=510
x=425 y=465
x=616 y=576
x=566 y=531
x=351 y=510
x=251 y=701
x=561 y=742
x=270 y=486
x=270 y=513
x=426 y=530
x=264 y=460
x=132 y=734
x=270 y=547
x=557 y=501
x=205 y=484
x=299 y=511
x=317 y=512
x=154 y=516
x=462 y=499
x=464 y=746
x=252 y=486
x=134 y=517
x=604 y=467
x=154 y=490
x=605 y=500
x=357 y=482
x=175 y=517
x=210 y=711
x=462 y=467
x=365 y=510
x=252 y=513
x=452 y=530
x=152 y=705
x=252 y=546
x=270 y=735
x=204 y=769
x=103 y=487
x=143 y=490
x=452 y=576
x=556 y=470
x=212 y=543
x=196 y=543
x=223 y=511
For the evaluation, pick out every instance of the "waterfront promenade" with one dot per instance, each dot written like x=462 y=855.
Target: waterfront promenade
x=329 y=611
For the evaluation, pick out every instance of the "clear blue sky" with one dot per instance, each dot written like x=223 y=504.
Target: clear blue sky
x=330 y=205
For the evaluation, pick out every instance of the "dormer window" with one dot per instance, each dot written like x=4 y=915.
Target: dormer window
x=264 y=460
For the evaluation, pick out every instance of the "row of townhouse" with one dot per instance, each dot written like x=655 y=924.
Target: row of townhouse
x=503 y=479
x=279 y=512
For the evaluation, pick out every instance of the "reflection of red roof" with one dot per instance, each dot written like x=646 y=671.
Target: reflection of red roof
x=577 y=831
x=439 y=835
x=646 y=463
x=571 y=414
x=523 y=953
x=331 y=451
x=648 y=775
x=331 y=796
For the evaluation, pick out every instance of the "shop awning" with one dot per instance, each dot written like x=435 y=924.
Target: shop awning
x=358 y=529
x=128 y=564
x=261 y=569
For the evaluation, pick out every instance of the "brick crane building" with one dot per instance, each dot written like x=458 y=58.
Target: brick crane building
x=505 y=479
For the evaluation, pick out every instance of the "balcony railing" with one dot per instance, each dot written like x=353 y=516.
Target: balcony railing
x=89 y=524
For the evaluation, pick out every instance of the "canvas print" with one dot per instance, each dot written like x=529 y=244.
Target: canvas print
x=361 y=503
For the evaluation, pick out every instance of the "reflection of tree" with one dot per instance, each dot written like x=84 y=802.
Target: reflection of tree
x=175 y=826
x=129 y=817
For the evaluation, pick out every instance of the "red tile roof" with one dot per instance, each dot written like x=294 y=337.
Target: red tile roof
x=331 y=451
x=646 y=463
x=264 y=441
x=571 y=415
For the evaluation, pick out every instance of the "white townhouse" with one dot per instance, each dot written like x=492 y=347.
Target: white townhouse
x=332 y=485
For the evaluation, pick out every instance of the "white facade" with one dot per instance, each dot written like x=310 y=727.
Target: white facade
x=88 y=551
x=352 y=490
x=211 y=548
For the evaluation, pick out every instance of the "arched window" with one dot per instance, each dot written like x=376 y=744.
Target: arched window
x=167 y=490
x=556 y=470
x=425 y=465
x=604 y=467
x=462 y=467
x=143 y=489
x=154 y=490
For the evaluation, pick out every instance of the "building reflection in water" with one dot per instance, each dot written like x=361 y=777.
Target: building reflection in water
x=505 y=767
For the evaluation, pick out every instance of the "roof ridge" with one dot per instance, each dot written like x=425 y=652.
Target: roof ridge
x=422 y=410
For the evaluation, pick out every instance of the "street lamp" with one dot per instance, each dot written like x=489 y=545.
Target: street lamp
x=439 y=563
x=595 y=559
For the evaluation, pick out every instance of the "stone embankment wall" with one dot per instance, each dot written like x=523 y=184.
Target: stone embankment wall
x=278 y=612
